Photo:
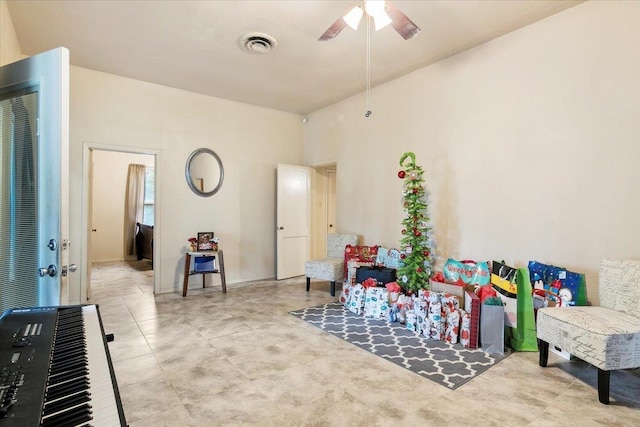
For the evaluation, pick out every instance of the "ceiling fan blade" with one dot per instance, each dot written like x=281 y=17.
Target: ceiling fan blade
x=399 y=21
x=333 y=30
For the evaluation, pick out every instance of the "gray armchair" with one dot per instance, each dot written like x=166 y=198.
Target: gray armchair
x=331 y=267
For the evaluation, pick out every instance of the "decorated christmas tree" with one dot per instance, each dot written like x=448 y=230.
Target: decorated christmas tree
x=416 y=244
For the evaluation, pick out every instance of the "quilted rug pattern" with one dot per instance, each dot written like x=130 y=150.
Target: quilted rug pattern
x=450 y=365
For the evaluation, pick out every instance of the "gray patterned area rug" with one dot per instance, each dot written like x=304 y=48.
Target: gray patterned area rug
x=450 y=365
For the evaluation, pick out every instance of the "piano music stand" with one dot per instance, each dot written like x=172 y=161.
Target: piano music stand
x=211 y=256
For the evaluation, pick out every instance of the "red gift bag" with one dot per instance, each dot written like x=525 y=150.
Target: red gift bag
x=485 y=292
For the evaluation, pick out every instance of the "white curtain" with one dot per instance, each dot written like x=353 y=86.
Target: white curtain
x=133 y=206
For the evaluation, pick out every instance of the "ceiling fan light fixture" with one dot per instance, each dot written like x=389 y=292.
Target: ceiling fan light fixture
x=373 y=7
x=353 y=17
x=381 y=20
x=383 y=14
x=376 y=9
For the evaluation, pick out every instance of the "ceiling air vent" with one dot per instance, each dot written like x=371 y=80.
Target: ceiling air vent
x=258 y=43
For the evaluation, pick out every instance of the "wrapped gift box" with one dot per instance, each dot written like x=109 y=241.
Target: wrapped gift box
x=390 y=258
x=452 y=328
x=382 y=275
x=465 y=328
x=359 y=253
x=449 y=302
x=453 y=289
x=376 y=303
x=420 y=310
x=411 y=321
x=356 y=299
x=426 y=327
x=472 y=306
x=435 y=321
x=352 y=267
x=432 y=297
x=346 y=291
x=393 y=313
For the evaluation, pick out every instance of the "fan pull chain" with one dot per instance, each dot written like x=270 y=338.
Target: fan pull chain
x=368 y=89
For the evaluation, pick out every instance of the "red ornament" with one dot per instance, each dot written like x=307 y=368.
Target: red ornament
x=415 y=191
x=402 y=174
x=417 y=233
x=425 y=253
x=402 y=256
x=418 y=270
x=404 y=231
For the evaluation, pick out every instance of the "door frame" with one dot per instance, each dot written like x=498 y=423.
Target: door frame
x=331 y=205
x=87 y=147
x=319 y=210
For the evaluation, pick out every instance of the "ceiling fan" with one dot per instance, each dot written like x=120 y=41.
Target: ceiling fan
x=383 y=13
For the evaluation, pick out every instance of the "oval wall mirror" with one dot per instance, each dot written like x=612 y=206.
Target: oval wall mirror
x=204 y=172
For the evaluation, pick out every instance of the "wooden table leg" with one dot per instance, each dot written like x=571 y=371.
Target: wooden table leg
x=185 y=281
x=223 y=279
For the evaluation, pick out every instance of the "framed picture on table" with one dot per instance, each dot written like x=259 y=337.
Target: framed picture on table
x=205 y=242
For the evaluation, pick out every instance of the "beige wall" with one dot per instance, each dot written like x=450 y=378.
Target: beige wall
x=9 y=47
x=110 y=171
x=529 y=143
x=115 y=111
x=110 y=111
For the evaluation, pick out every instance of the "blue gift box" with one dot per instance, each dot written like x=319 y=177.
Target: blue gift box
x=204 y=264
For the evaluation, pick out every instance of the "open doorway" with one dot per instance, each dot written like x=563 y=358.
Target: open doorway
x=105 y=186
x=324 y=209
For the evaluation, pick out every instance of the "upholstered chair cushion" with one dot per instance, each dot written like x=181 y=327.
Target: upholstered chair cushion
x=324 y=269
x=606 y=336
x=619 y=287
x=606 y=339
x=337 y=242
x=330 y=268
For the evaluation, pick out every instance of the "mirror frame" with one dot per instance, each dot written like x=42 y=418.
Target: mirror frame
x=187 y=172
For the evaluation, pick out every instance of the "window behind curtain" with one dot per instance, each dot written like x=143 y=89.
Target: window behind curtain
x=149 y=189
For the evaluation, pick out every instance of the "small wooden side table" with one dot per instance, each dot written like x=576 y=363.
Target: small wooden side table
x=188 y=272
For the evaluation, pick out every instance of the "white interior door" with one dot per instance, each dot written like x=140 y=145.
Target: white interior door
x=292 y=220
x=90 y=230
x=34 y=159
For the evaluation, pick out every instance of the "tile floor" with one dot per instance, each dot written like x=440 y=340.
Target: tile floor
x=240 y=359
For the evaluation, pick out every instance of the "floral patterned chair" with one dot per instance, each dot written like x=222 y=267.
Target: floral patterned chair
x=606 y=336
x=331 y=267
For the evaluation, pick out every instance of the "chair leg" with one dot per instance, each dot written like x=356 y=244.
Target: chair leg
x=603 y=386
x=333 y=288
x=308 y=283
x=544 y=352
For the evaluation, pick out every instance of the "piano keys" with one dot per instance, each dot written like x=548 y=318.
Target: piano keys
x=55 y=369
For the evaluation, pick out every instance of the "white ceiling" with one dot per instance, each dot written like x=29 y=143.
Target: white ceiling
x=193 y=45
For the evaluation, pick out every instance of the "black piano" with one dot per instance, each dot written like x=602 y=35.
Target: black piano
x=55 y=369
